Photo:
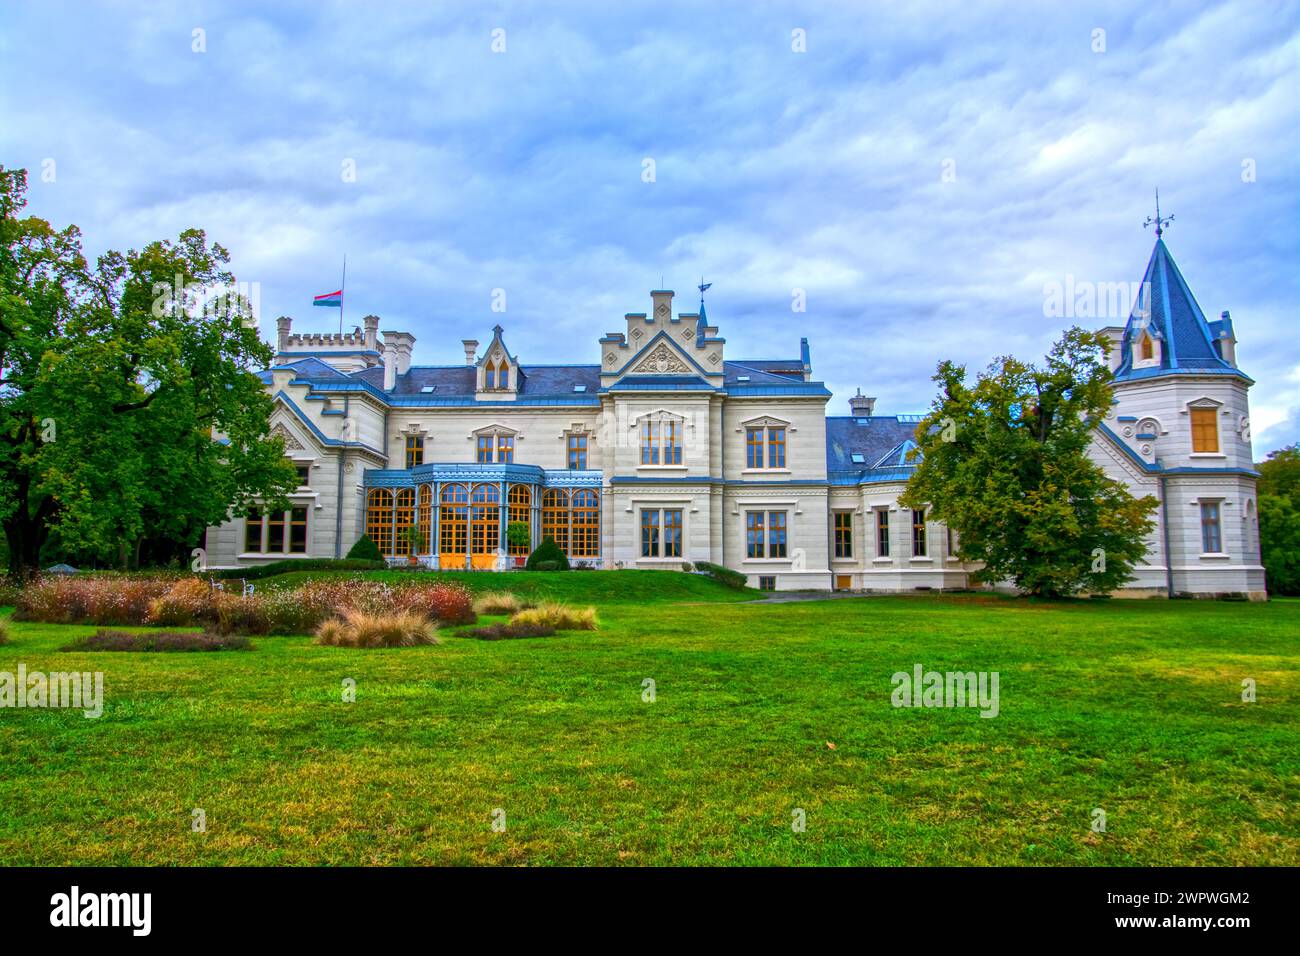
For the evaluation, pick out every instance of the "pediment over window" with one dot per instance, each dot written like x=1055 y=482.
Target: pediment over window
x=494 y=429
x=765 y=421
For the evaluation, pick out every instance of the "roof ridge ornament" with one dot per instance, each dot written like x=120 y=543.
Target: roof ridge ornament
x=1159 y=221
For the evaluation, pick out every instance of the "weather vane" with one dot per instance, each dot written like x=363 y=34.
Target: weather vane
x=1160 y=221
x=703 y=287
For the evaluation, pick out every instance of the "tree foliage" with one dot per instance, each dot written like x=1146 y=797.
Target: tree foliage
x=129 y=408
x=1004 y=463
x=1279 y=519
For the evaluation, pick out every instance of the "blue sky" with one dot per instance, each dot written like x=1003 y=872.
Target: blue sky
x=922 y=171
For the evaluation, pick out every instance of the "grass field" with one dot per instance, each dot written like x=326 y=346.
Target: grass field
x=1131 y=707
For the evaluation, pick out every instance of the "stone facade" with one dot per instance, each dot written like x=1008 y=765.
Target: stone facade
x=668 y=451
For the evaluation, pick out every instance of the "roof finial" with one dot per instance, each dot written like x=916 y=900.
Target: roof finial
x=1160 y=221
x=703 y=287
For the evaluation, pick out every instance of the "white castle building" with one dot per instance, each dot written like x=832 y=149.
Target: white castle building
x=667 y=450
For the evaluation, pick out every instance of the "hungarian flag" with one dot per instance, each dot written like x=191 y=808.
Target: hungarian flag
x=332 y=300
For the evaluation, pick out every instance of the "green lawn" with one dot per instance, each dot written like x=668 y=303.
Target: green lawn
x=1131 y=707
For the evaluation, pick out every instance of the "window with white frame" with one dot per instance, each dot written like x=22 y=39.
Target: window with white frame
x=661 y=532
x=1211 y=527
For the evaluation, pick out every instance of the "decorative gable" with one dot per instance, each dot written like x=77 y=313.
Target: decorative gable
x=291 y=442
x=662 y=360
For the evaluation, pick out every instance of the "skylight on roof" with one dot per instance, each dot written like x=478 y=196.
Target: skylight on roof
x=742 y=378
x=428 y=388
x=859 y=460
x=862 y=421
x=580 y=388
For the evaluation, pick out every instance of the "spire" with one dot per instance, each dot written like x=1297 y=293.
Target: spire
x=1167 y=310
x=704 y=319
x=1159 y=222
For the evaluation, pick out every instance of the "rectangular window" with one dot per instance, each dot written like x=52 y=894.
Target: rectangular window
x=776 y=544
x=754 y=538
x=649 y=533
x=753 y=448
x=578 y=452
x=844 y=534
x=1211 y=536
x=767 y=582
x=298 y=531
x=1205 y=430
x=672 y=523
x=414 y=450
x=253 y=531
x=505 y=449
x=882 y=532
x=918 y=534
x=304 y=475
x=672 y=443
x=275 y=532
x=484 y=449
x=776 y=448
x=649 y=443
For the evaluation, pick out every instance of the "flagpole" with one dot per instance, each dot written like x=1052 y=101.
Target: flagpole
x=342 y=289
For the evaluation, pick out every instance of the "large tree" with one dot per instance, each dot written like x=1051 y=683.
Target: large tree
x=1004 y=463
x=129 y=408
x=1279 y=519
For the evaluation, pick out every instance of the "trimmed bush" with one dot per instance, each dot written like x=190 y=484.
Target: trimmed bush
x=302 y=564
x=104 y=640
x=549 y=553
x=500 y=602
x=561 y=617
x=732 y=579
x=361 y=629
x=501 y=632
x=365 y=550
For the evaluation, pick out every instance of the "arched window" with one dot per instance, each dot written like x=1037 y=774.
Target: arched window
x=490 y=375
x=1146 y=349
x=485 y=519
x=521 y=512
x=503 y=374
x=453 y=524
x=425 y=521
x=555 y=517
x=585 y=518
x=403 y=518
x=379 y=519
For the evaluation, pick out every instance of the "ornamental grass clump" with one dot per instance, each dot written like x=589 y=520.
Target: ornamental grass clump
x=159 y=641
x=562 y=617
x=363 y=629
x=500 y=602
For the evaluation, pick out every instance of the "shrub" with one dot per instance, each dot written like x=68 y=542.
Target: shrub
x=558 y=616
x=547 y=552
x=732 y=579
x=442 y=602
x=301 y=564
x=362 y=629
x=84 y=600
x=499 y=632
x=9 y=592
x=688 y=567
x=104 y=640
x=500 y=602
x=518 y=535
x=365 y=550
x=186 y=603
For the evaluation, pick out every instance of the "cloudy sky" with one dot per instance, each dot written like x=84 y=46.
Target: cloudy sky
x=923 y=172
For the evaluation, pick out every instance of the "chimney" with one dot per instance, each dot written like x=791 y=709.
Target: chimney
x=860 y=406
x=282 y=326
x=371 y=323
x=390 y=367
x=471 y=350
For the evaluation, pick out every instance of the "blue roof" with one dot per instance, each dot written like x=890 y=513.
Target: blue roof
x=1186 y=339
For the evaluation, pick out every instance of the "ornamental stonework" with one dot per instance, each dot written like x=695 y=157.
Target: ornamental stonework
x=290 y=443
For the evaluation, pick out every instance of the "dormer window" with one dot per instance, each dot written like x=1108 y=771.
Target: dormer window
x=1146 y=348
